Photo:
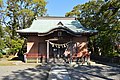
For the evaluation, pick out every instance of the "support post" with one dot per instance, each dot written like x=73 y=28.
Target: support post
x=37 y=60
x=71 y=51
x=25 y=58
x=47 y=50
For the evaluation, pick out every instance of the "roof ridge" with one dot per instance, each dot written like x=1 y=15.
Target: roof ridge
x=56 y=18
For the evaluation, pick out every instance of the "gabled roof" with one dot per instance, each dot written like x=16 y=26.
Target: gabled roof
x=47 y=24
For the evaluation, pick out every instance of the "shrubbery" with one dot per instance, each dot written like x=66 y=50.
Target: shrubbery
x=1 y=55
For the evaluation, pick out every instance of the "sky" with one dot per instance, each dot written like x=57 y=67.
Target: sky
x=60 y=7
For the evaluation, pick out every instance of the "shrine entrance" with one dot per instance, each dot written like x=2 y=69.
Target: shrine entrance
x=56 y=48
x=57 y=52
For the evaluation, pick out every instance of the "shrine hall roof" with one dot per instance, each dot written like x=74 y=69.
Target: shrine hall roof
x=46 y=24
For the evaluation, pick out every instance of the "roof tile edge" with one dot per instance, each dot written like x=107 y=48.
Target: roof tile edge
x=56 y=18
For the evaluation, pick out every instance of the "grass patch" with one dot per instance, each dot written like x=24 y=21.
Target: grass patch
x=10 y=61
x=7 y=63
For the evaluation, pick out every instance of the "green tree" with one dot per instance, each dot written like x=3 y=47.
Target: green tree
x=1 y=38
x=2 y=45
x=1 y=2
x=104 y=17
x=19 y=14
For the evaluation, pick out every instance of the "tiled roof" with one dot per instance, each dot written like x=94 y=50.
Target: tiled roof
x=46 y=24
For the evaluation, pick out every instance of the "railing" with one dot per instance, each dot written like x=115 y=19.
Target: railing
x=35 y=56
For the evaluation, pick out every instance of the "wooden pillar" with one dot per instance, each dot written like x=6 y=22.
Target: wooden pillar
x=47 y=50
x=71 y=51
x=25 y=58
x=37 y=60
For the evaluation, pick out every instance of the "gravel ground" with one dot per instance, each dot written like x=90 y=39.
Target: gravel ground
x=28 y=71
x=94 y=72
x=24 y=72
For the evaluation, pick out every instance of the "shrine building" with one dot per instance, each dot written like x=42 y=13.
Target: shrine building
x=48 y=36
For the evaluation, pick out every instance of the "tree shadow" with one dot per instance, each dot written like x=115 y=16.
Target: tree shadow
x=16 y=59
x=94 y=73
x=40 y=72
x=19 y=57
x=59 y=73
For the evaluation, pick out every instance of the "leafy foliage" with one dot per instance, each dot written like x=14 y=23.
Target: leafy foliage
x=1 y=55
x=1 y=3
x=19 y=14
x=104 y=17
x=2 y=45
x=15 y=47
